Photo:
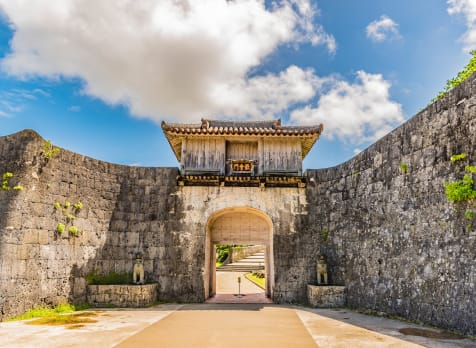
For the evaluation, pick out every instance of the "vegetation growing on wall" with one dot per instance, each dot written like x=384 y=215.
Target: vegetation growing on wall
x=6 y=185
x=68 y=216
x=109 y=279
x=461 y=190
x=49 y=151
x=325 y=234
x=404 y=168
x=468 y=70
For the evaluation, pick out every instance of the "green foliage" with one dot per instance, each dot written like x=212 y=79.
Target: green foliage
x=404 y=168
x=468 y=70
x=18 y=188
x=41 y=312
x=469 y=214
x=223 y=250
x=5 y=184
x=324 y=234
x=49 y=151
x=7 y=175
x=68 y=219
x=60 y=228
x=470 y=169
x=459 y=157
x=461 y=190
x=109 y=279
x=73 y=230
x=356 y=173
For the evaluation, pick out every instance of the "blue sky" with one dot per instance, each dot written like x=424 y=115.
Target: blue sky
x=98 y=79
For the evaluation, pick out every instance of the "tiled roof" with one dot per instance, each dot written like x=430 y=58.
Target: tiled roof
x=176 y=132
x=217 y=127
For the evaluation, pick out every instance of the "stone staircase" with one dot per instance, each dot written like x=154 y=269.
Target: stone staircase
x=251 y=263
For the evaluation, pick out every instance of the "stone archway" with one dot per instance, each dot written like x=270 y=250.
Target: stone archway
x=238 y=225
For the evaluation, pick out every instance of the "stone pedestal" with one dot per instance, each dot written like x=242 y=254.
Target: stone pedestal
x=326 y=296
x=122 y=295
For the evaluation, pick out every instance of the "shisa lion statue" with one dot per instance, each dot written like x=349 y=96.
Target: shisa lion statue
x=321 y=270
x=138 y=271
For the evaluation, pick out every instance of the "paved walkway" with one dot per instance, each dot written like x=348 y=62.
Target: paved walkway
x=225 y=325
x=227 y=289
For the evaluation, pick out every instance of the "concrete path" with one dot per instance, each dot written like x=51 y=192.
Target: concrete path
x=227 y=283
x=218 y=326
x=227 y=289
x=225 y=325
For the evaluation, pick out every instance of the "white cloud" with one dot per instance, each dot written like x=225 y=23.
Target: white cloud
x=265 y=95
x=16 y=100
x=74 y=108
x=173 y=59
x=382 y=29
x=468 y=9
x=355 y=113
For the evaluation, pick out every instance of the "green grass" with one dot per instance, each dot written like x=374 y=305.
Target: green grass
x=261 y=282
x=219 y=264
x=42 y=312
x=109 y=279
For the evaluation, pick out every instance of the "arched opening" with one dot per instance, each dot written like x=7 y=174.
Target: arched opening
x=238 y=225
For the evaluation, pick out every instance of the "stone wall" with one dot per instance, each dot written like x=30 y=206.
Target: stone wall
x=125 y=210
x=238 y=253
x=122 y=295
x=393 y=238
x=382 y=219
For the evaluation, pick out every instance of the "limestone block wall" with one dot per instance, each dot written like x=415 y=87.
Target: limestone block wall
x=238 y=253
x=125 y=210
x=393 y=238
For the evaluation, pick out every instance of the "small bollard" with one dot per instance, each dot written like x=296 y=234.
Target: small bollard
x=239 y=286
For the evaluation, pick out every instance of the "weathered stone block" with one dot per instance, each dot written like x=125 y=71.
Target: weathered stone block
x=326 y=296
x=122 y=295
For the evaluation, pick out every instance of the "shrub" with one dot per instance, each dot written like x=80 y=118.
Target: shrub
x=468 y=70
x=109 y=279
x=73 y=230
x=461 y=190
x=459 y=157
x=60 y=228
x=49 y=150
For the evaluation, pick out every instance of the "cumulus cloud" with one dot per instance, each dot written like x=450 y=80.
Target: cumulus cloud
x=173 y=59
x=354 y=112
x=468 y=9
x=383 y=29
x=266 y=95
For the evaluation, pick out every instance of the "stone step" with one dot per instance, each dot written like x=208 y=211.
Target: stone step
x=229 y=268
x=251 y=263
